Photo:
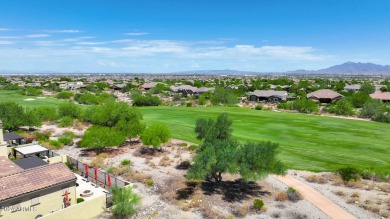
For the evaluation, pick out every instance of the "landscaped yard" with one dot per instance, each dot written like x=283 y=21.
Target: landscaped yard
x=307 y=142
x=28 y=101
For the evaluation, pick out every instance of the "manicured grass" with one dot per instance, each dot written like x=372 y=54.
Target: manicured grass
x=308 y=142
x=13 y=96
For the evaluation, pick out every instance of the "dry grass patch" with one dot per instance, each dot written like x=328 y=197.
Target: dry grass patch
x=355 y=195
x=353 y=201
x=136 y=177
x=281 y=197
x=165 y=161
x=374 y=208
x=316 y=179
x=211 y=213
x=240 y=211
x=339 y=193
x=384 y=187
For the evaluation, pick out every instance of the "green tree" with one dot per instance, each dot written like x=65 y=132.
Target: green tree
x=69 y=109
x=224 y=96
x=358 y=99
x=98 y=138
x=156 y=135
x=367 y=88
x=12 y=115
x=257 y=160
x=64 y=95
x=147 y=100
x=125 y=201
x=46 y=113
x=220 y=153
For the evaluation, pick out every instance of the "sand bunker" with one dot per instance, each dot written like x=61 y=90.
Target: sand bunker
x=29 y=99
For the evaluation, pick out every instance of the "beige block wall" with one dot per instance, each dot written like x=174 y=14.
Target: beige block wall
x=49 y=200
x=57 y=159
x=84 y=210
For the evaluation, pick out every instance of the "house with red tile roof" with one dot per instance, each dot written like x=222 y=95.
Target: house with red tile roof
x=324 y=96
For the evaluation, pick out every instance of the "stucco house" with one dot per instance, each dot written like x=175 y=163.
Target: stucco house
x=268 y=96
x=35 y=192
x=324 y=96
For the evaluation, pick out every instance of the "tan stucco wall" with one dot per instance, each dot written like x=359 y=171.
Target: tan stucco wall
x=83 y=210
x=49 y=200
x=57 y=159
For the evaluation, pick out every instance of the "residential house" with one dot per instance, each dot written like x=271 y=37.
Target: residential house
x=353 y=88
x=35 y=192
x=268 y=96
x=324 y=96
x=384 y=97
x=148 y=85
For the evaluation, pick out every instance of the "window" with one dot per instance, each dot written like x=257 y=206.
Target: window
x=35 y=200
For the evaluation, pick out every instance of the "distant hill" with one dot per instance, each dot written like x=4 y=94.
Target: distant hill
x=356 y=68
x=219 y=72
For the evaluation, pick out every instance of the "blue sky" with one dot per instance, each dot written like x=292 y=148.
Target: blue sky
x=181 y=35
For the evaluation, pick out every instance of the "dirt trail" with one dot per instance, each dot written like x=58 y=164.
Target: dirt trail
x=313 y=196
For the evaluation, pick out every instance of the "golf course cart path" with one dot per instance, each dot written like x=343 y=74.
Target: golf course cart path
x=324 y=204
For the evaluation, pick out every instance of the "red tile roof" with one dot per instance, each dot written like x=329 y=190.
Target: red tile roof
x=324 y=94
x=34 y=179
x=7 y=167
x=381 y=96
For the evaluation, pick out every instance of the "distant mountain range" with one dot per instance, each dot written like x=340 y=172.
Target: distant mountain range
x=348 y=68
x=353 y=68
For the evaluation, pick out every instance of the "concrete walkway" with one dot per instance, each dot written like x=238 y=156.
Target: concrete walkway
x=320 y=201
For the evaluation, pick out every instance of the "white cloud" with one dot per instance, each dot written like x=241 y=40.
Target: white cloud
x=136 y=34
x=91 y=43
x=37 y=35
x=63 y=31
x=5 y=29
x=9 y=37
x=2 y=42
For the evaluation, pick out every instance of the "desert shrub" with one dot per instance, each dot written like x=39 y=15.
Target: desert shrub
x=293 y=195
x=149 y=182
x=55 y=144
x=193 y=147
x=64 y=95
x=183 y=165
x=125 y=202
x=183 y=144
x=258 y=203
x=164 y=161
x=349 y=173
x=66 y=122
x=125 y=162
x=121 y=171
x=97 y=162
x=42 y=136
x=188 y=104
x=65 y=140
x=79 y=200
x=259 y=107
x=339 y=193
x=111 y=169
x=355 y=195
x=281 y=197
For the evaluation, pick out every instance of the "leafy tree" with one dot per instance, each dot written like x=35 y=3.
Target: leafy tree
x=118 y=115
x=31 y=91
x=358 y=99
x=224 y=96
x=98 y=138
x=46 y=113
x=257 y=160
x=125 y=201
x=220 y=153
x=69 y=109
x=367 y=88
x=156 y=135
x=202 y=99
x=12 y=115
x=342 y=107
x=31 y=118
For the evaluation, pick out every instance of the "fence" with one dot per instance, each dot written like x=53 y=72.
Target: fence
x=102 y=176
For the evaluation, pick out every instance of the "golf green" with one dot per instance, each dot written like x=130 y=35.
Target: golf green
x=307 y=142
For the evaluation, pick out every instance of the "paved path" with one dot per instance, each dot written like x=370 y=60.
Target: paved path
x=320 y=201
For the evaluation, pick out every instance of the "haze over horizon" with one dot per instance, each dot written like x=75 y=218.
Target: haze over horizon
x=174 y=36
